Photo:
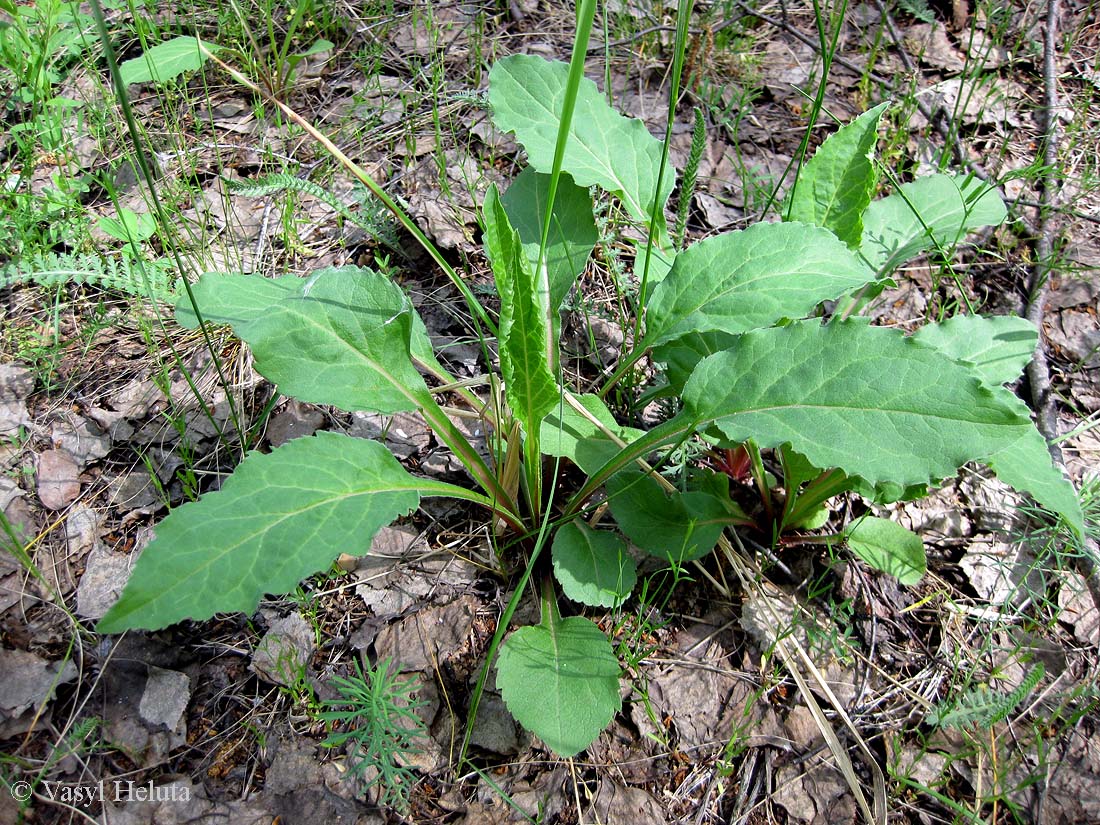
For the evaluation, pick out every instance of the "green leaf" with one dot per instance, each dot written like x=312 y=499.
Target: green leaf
x=592 y=565
x=279 y=518
x=340 y=337
x=568 y=434
x=129 y=226
x=870 y=402
x=999 y=347
x=1026 y=466
x=524 y=334
x=166 y=61
x=679 y=357
x=834 y=188
x=560 y=680
x=751 y=278
x=889 y=547
x=572 y=228
x=605 y=149
x=679 y=528
x=938 y=210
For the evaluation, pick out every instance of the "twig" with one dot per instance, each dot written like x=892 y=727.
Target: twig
x=1038 y=370
x=1038 y=373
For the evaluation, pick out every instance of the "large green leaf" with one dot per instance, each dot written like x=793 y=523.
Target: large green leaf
x=593 y=566
x=1026 y=466
x=889 y=547
x=560 y=680
x=572 y=227
x=834 y=188
x=605 y=149
x=279 y=518
x=567 y=433
x=866 y=400
x=166 y=61
x=680 y=355
x=999 y=347
x=751 y=278
x=340 y=337
x=525 y=333
x=937 y=210
x=678 y=528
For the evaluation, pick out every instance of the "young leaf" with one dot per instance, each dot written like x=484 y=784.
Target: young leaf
x=834 y=188
x=166 y=61
x=524 y=329
x=751 y=278
x=560 y=680
x=572 y=228
x=680 y=528
x=605 y=149
x=592 y=566
x=937 y=210
x=279 y=518
x=341 y=337
x=889 y=547
x=870 y=402
x=568 y=434
x=998 y=347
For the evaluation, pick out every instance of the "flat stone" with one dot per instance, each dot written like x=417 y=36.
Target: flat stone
x=427 y=638
x=166 y=695
x=105 y=574
x=283 y=654
x=16 y=383
x=296 y=420
x=616 y=803
x=82 y=439
x=58 y=479
x=29 y=680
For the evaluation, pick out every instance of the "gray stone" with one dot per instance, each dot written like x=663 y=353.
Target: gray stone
x=166 y=695
x=58 y=479
x=105 y=574
x=283 y=654
x=81 y=439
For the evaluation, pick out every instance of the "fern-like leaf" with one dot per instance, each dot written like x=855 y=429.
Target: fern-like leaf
x=982 y=707
x=371 y=216
x=146 y=279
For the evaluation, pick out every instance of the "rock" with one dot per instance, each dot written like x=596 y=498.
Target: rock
x=105 y=574
x=283 y=654
x=404 y=434
x=931 y=45
x=29 y=680
x=16 y=383
x=166 y=695
x=817 y=797
x=294 y=421
x=83 y=440
x=494 y=728
x=1002 y=572
x=58 y=479
x=1079 y=610
x=428 y=638
x=135 y=493
x=616 y=803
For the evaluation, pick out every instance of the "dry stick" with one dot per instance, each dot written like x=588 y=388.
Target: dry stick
x=1038 y=371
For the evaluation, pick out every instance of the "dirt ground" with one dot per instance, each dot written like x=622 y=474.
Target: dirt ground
x=100 y=435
